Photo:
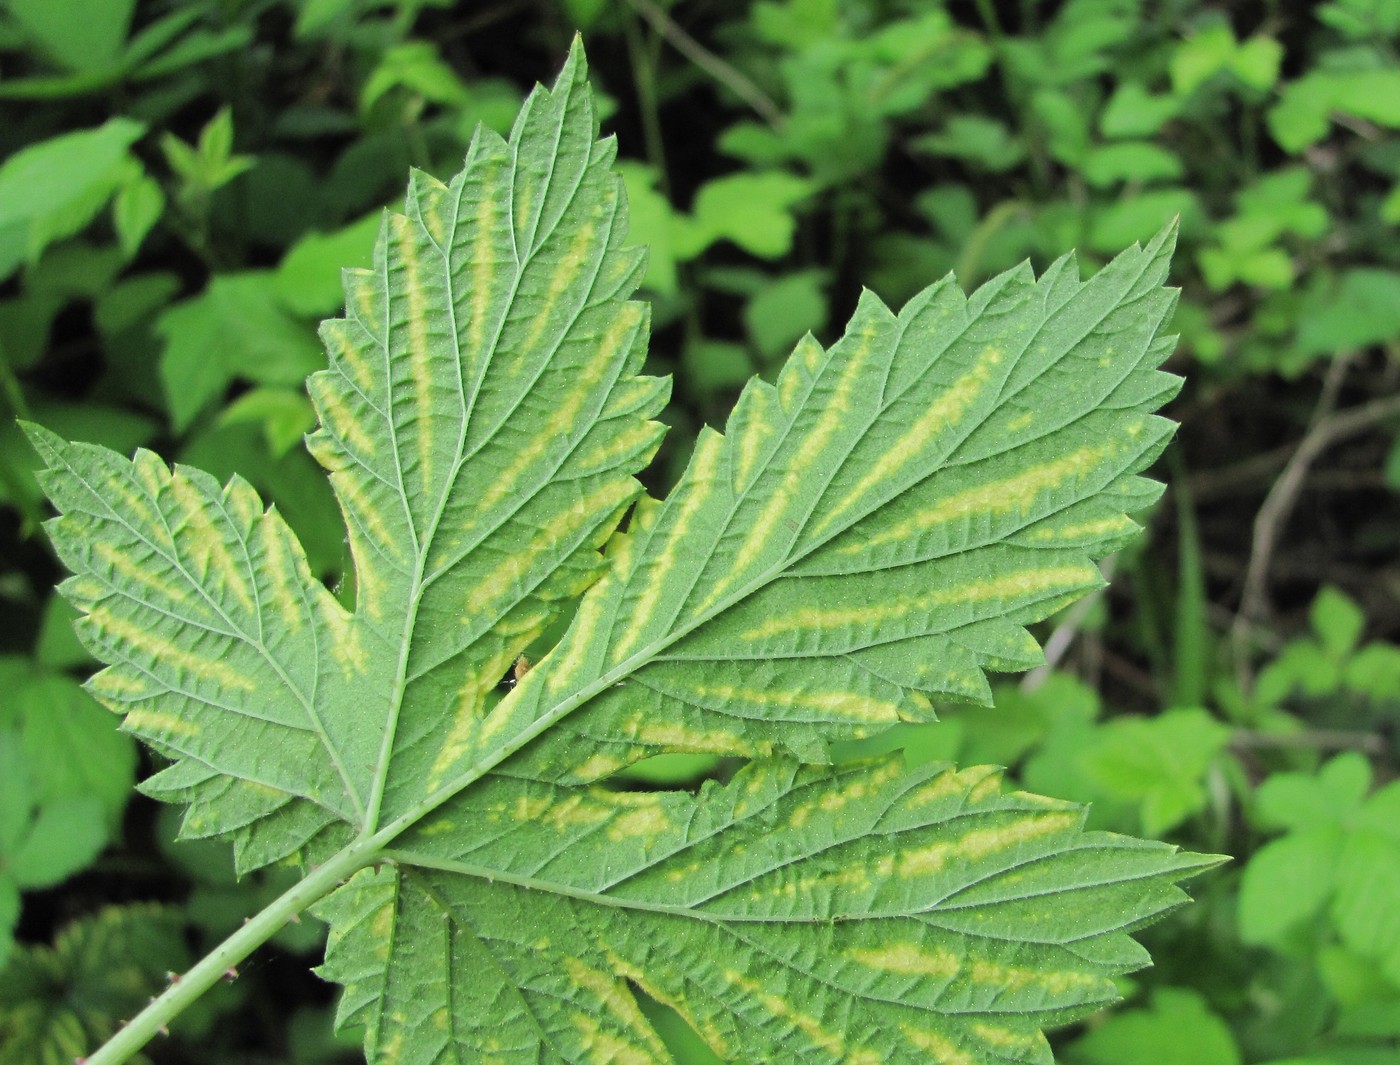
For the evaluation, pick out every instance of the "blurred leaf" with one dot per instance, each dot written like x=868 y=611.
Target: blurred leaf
x=1286 y=883
x=785 y=309
x=1137 y=217
x=1200 y=56
x=285 y=415
x=57 y=1003
x=1158 y=763
x=1133 y=161
x=1302 y=801
x=1303 y=114
x=73 y=747
x=1366 y=910
x=714 y=365
x=235 y=329
x=1359 y=308
x=138 y=206
x=1132 y=111
x=417 y=67
x=65 y=836
x=308 y=278
x=1176 y=1029
x=76 y=34
x=753 y=211
x=979 y=140
x=52 y=189
x=1337 y=620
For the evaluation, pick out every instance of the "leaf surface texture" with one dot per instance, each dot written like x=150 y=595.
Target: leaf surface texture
x=872 y=531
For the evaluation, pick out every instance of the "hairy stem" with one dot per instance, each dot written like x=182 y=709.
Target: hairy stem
x=214 y=966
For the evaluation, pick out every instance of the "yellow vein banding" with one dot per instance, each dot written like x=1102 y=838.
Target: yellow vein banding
x=850 y=705
x=419 y=350
x=339 y=419
x=1016 y=494
x=908 y=959
x=834 y=415
x=1020 y=584
x=703 y=466
x=364 y=298
x=201 y=534
x=348 y=357
x=568 y=269
x=943 y=414
x=563 y=422
x=156 y=649
x=748 y=447
x=483 y=264
x=944 y=1050
x=122 y=563
x=833 y=1043
x=286 y=599
x=154 y=722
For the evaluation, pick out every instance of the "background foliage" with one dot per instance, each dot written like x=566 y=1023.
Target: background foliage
x=181 y=182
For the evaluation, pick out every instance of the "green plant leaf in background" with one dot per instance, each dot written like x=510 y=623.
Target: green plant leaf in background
x=57 y=1002
x=876 y=528
x=53 y=189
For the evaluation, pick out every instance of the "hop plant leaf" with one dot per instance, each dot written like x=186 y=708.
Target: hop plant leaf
x=876 y=528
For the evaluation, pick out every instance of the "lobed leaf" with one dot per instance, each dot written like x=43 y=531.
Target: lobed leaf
x=874 y=530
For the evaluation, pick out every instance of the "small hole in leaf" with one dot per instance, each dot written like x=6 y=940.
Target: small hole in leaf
x=680 y=1038
x=674 y=772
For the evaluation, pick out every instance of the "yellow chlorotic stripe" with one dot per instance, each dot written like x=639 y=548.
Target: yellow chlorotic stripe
x=125 y=567
x=563 y=422
x=565 y=273
x=285 y=599
x=1032 y=583
x=339 y=419
x=945 y=1051
x=348 y=357
x=1016 y=977
x=1012 y=494
x=853 y=706
x=834 y=414
x=667 y=556
x=942 y=414
x=365 y=295
x=483 y=264
x=419 y=353
x=151 y=721
x=158 y=651
x=831 y=1042
x=607 y=1048
x=908 y=959
x=500 y=587
x=207 y=541
x=757 y=432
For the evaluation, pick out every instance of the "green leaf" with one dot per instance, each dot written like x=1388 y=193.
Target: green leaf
x=752 y=210
x=1337 y=620
x=237 y=328
x=52 y=189
x=138 y=206
x=57 y=1003
x=308 y=278
x=1286 y=884
x=876 y=528
x=1176 y=1029
x=1303 y=115
x=77 y=35
x=1134 y=161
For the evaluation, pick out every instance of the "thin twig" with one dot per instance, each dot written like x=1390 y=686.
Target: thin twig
x=1063 y=635
x=1327 y=428
x=735 y=80
x=1310 y=740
